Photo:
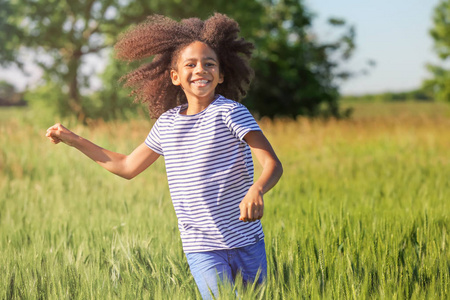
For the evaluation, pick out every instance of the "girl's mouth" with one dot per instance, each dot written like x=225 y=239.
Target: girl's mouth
x=201 y=82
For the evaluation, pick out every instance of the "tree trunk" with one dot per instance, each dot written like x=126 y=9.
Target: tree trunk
x=74 y=92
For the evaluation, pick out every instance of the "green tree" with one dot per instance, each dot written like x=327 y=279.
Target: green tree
x=62 y=34
x=296 y=74
x=9 y=96
x=7 y=90
x=10 y=36
x=112 y=101
x=439 y=85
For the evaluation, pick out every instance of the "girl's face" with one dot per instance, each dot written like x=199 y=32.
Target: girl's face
x=197 y=72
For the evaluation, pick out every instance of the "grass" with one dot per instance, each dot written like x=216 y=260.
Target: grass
x=360 y=213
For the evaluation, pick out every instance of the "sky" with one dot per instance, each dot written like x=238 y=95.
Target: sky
x=393 y=33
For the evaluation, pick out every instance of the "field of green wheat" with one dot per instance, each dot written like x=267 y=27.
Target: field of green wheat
x=361 y=212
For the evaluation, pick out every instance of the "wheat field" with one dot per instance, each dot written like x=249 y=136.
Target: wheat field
x=361 y=212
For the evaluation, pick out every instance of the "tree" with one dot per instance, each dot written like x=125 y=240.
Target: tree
x=295 y=74
x=440 y=83
x=10 y=36
x=63 y=34
x=9 y=96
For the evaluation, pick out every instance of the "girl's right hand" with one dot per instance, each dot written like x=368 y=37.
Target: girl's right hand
x=58 y=133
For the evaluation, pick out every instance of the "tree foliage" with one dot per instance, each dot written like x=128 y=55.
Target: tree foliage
x=440 y=83
x=9 y=96
x=295 y=74
x=62 y=34
x=10 y=35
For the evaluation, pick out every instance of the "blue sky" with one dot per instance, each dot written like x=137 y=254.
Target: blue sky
x=394 y=33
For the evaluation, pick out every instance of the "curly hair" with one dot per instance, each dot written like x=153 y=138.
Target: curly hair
x=163 y=39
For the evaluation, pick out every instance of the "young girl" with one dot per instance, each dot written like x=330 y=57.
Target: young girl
x=205 y=138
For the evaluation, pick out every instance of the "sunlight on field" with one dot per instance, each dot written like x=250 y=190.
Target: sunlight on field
x=361 y=211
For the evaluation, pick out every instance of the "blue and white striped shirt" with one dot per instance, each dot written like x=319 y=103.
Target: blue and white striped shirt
x=209 y=169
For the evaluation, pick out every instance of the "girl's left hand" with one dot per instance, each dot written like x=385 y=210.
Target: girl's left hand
x=252 y=206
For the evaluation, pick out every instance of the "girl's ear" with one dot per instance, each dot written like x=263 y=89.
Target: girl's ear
x=175 y=78
x=220 y=77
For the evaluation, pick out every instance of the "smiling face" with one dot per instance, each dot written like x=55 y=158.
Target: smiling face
x=197 y=72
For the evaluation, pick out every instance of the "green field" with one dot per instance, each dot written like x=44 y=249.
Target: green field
x=361 y=212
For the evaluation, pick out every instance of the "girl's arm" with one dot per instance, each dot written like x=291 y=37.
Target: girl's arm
x=252 y=206
x=126 y=166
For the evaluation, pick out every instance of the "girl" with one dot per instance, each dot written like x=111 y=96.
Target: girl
x=205 y=138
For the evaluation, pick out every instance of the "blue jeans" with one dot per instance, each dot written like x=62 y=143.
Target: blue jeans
x=210 y=267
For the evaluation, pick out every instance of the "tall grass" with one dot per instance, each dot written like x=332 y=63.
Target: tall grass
x=362 y=212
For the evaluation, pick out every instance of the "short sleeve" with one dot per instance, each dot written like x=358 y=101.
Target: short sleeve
x=153 y=140
x=240 y=121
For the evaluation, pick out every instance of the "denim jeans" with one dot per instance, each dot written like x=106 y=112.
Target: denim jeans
x=210 y=267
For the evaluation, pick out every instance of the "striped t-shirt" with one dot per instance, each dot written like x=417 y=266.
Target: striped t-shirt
x=209 y=169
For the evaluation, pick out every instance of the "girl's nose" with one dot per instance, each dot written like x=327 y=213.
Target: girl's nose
x=199 y=68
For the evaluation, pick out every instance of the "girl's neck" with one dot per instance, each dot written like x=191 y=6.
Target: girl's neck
x=197 y=105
